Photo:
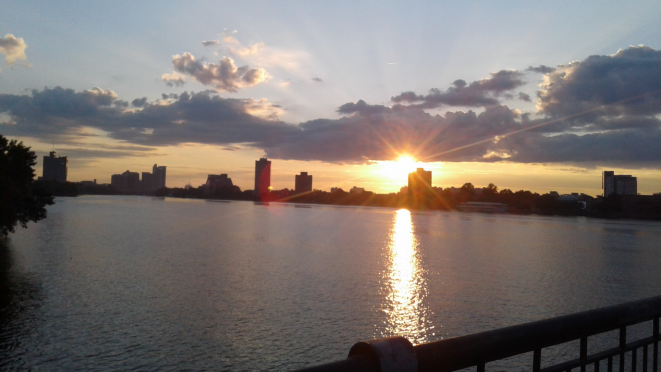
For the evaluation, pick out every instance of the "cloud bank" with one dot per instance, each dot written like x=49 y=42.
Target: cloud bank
x=476 y=94
x=602 y=110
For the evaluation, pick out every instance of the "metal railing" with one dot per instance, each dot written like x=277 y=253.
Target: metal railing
x=476 y=350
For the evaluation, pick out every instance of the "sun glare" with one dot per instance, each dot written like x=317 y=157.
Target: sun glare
x=399 y=169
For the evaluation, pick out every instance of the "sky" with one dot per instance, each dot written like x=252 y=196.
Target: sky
x=538 y=96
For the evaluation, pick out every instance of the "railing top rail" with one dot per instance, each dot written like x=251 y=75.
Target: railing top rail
x=465 y=351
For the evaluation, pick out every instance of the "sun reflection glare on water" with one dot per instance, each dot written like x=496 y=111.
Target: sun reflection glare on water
x=404 y=287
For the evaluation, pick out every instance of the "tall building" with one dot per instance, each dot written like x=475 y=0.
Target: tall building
x=619 y=185
x=126 y=182
x=303 y=183
x=262 y=177
x=217 y=182
x=148 y=183
x=55 y=167
x=419 y=186
x=159 y=176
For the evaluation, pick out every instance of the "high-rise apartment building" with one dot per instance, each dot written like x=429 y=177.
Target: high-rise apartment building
x=419 y=180
x=262 y=177
x=303 y=183
x=159 y=176
x=419 y=186
x=126 y=182
x=55 y=167
x=148 y=183
x=217 y=182
x=619 y=185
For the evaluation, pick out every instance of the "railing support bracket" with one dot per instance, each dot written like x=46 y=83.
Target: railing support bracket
x=395 y=354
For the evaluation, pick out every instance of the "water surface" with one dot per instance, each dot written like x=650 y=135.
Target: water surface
x=119 y=283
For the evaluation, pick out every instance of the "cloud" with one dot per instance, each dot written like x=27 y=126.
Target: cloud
x=603 y=110
x=173 y=79
x=524 y=97
x=479 y=93
x=316 y=79
x=541 y=69
x=210 y=42
x=599 y=90
x=286 y=61
x=235 y=48
x=187 y=118
x=87 y=153
x=14 y=49
x=224 y=76
x=139 y=102
x=624 y=148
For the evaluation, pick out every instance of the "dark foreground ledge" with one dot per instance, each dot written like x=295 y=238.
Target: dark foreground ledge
x=397 y=354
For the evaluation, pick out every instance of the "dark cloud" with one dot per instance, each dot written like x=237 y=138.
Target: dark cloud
x=224 y=76
x=476 y=94
x=541 y=69
x=210 y=42
x=318 y=80
x=139 y=102
x=625 y=86
x=361 y=107
x=79 y=153
x=524 y=97
x=630 y=148
x=377 y=132
x=196 y=118
x=602 y=110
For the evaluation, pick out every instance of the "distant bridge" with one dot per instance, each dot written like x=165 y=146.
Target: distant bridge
x=476 y=350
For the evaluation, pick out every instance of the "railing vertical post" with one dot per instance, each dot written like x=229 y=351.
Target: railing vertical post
x=480 y=367
x=623 y=344
x=584 y=352
x=633 y=360
x=610 y=364
x=537 y=360
x=655 y=352
x=645 y=358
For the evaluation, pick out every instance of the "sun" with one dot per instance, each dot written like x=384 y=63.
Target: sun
x=401 y=168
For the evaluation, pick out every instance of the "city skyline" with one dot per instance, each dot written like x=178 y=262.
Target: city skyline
x=446 y=84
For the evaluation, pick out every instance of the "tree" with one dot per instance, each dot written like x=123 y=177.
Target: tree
x=468 y=188
x=20 y=201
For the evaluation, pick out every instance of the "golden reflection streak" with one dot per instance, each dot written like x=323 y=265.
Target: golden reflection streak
x=405 y=287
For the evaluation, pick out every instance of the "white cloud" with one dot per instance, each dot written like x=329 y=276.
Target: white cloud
x=173 y=79
x=14 y=49
x=224 y=76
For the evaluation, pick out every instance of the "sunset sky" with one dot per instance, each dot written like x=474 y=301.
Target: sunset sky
x=527 y=95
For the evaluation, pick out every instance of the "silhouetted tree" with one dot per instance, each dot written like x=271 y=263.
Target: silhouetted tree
x=20 y=201
x=490 y=193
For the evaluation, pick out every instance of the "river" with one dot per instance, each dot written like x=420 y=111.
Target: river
x=138 y=283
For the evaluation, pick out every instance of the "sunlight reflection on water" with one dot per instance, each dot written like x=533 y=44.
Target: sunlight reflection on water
x=405 y=288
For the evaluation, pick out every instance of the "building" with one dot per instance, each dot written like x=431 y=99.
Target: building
x=55 y=168
x=159 y=176
x=336 y=189
x=618 y=185
x=217 y=182
x=357 y=190
x=126 y=182
x=419 y=184
x=262 y=177
x=148 y=183
x=303 y=183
